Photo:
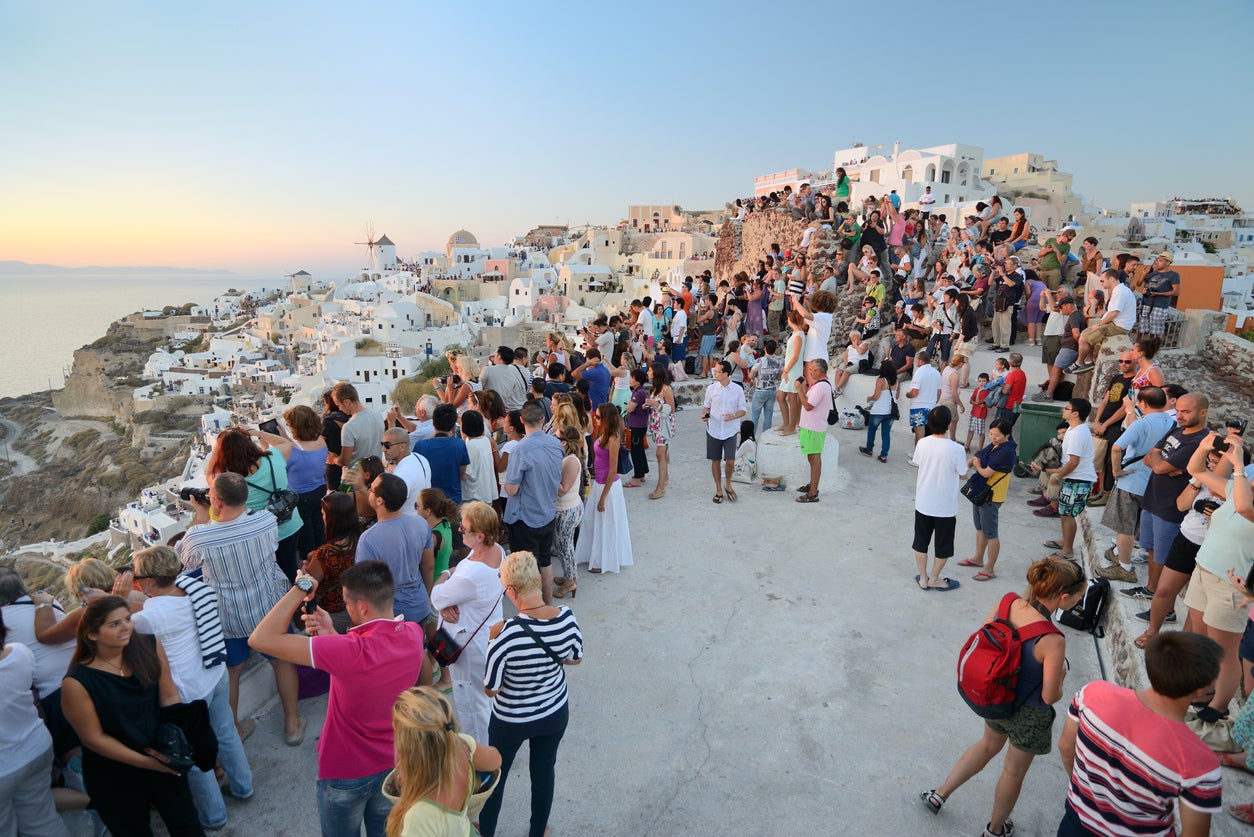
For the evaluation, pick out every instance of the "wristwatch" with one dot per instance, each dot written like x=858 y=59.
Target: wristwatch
x=305 y=583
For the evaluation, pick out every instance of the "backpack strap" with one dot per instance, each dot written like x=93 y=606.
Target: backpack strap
x=1003 y=609
x=1038 y=629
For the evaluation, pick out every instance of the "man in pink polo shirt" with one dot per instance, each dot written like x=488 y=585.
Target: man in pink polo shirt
x=379 y=657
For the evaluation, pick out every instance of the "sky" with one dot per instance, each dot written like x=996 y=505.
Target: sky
x=262 y=137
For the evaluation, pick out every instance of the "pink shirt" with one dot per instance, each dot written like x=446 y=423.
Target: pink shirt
x=369 y=667
x=820 y=395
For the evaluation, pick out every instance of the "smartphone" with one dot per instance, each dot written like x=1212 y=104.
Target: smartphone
x=271 y=427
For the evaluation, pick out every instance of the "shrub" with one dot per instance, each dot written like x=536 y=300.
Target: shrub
x=99 y=523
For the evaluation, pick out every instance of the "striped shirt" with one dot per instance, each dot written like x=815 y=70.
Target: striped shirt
x=208 y=623
x=237 y=558
x=1131 y=764
x=531 y=684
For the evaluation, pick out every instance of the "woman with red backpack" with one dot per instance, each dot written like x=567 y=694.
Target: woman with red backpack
x=1028 y=722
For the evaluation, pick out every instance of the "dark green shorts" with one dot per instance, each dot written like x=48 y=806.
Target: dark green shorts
x=1031 y=729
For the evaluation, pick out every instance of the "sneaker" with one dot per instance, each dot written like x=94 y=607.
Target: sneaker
x=1046 y=512
x=1144 y=616
x=1072 y=369
x=1140 y=555
x=1097 y=500
x=1117 y=573
x=1080 y=368
x=1040 y=396
x=864 y=451
x=1039 y=502
x=883 y=459
x=910 y=461
x=1138 y=593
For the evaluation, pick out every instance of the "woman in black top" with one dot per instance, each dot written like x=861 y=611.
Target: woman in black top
x=873 y=233
x=112 y=695
x=332 y=421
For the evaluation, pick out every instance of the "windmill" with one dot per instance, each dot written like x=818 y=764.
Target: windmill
x=372 y=254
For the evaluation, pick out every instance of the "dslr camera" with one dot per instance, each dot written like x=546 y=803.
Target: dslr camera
x=1234 y=425
x=187 y=492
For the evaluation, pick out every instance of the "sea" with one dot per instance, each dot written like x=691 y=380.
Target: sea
x=49 y=315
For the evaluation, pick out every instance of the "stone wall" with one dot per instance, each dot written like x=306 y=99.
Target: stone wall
x=741 y=244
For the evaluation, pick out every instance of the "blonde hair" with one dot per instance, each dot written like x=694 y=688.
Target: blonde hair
x=92 y=573
x=157 y=562
x=519 y=570
x=483 y=520
x=559 y=340
x=424 y=731
x=566 y=414
x=573 y=442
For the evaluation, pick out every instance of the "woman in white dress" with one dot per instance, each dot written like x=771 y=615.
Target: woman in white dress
x=604 y=539
x=787 y=398
x=469 y=600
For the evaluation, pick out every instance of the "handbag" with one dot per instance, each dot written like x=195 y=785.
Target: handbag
x=445 y=649
x=979 y=495
x=170 y=747
x=624 y=461
x=281 y=502
x=833 y=415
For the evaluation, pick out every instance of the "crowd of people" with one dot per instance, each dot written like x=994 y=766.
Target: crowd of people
x=381 y=549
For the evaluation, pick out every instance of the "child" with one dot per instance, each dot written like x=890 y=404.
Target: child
x=977 y=424
x=996 y=397
x=746 y=468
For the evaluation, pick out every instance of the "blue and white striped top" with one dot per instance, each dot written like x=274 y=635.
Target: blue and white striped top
x=238 y=562
x=531 y=684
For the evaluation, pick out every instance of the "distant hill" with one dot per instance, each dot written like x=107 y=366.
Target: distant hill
x=12 y=268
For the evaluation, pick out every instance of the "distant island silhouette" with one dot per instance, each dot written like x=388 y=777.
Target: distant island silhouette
x=15 y=268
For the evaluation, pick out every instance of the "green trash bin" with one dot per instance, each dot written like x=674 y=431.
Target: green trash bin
x=1036 y=426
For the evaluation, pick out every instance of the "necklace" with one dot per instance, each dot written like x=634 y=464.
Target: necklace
x=121 y=670
x=529 y=609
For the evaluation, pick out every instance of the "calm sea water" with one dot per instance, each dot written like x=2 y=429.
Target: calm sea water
x=48 y=317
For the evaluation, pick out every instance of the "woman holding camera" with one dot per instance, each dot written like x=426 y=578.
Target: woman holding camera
x=112 y=695
x=306 y=452
x=526 y=680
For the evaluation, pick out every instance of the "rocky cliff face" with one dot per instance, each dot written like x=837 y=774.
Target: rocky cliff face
x=101 y=381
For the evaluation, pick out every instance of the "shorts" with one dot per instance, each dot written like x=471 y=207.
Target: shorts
x=1151 y=320
x=918 y=418
x=1030 y=729
x=237 y=650
x=952 y=407
x=1051 y=278
x=1182 y=557
x=1096 y=335
x=811 y=440
x=978 y=426
x=1072 y=497
x=943 y=527
x=1122 y=512
x=1019 y=245
x=985 y=519
x=1221 y=606
x=538 y=540
x=1050 y=344
x=707 y=345
x=720 y=449
x=1157 y=534
x=1065 y=358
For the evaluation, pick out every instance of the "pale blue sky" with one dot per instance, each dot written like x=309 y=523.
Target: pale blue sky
x=261 y=136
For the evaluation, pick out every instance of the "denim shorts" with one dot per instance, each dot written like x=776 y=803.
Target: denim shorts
x=707 y=344
x=1157 y=534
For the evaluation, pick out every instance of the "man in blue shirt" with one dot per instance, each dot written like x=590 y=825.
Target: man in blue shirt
x=598 y=377
x=531 y=482
x=445 y=453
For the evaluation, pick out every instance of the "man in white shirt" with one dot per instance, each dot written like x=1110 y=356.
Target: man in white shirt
x=722 y=409
x=926 y=202
x=1076 y=475
x=942 y=464
x=645 y=318
x=679 y=334
x=1119 y=318
x=413 y=468
x=420 y=426
x=924 y=394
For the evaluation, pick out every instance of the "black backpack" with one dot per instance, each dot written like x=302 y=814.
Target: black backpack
x=1088 y=613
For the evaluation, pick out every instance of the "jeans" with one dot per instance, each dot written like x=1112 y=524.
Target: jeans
x=26 y=799
x=882 y=423
x=230 y=755
x=639 y=463
x=940 y=345
x=544 y=736
x=763 y=406
x=344 y=804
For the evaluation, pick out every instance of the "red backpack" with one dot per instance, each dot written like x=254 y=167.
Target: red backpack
x=988 y=667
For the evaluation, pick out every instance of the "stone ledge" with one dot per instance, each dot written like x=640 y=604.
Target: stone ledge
x=1125 y=663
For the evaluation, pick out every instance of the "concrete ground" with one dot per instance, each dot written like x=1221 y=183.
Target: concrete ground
x=763 y=668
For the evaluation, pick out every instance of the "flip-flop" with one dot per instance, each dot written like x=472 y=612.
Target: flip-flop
x=970 y=562
x=808 y=498
x=950 y=584
x=920 y=586
x=983 y=576
x=1142 y=641
x=1052 y=545
x=718 y=498
x=1062 y=557
x=731 y=495
x=1243 y=812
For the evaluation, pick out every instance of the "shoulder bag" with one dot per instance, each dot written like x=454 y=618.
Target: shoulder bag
x=280 y=502
x=445 y=649
x=981 y=494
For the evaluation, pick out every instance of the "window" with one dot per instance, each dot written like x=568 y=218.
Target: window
x=945 y=176
x=1016 y=171
x=383 y=398
x=991 y=172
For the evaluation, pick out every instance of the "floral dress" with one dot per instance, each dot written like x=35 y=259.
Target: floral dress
x=661 y=424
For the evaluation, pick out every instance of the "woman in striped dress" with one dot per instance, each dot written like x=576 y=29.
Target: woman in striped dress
x=526 y=680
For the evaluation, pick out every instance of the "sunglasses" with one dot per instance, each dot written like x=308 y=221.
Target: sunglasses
x=389 y=445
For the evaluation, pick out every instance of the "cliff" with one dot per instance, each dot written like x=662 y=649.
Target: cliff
x=104 y=375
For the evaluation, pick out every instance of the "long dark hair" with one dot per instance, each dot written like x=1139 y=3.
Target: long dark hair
x=139 y=654
x=611 y=421
x=661 y=377
x=340 y=512
x=888 y=372
x=235 y=451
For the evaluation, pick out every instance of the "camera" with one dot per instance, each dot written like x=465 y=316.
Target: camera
x=1233 y=425
x=442 y=380
x=187 y=492
x=1203 y=506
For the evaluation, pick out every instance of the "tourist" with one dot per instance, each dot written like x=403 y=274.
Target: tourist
x=977 y=424
x=362 y=434
x=1119 y=318
x=1161 y=288
x=942 y=463
x=445 y=453
x=340 y=522
x=479 y=479
x=489 y=405
x=882 y=405
x=661 y=404
x=404 y=543
x=527 y=684
x=1013 y=388
x=1030 y=315
x=1148 y=373
x=764 y=379
x=454 y=390
x=950 y=397
x=679 y=335
x=722 y=409
x=531 y=484
x=468 y=598
x=507 y=380
x=637 y=426
x=569 y=509
x=924 y=395
x=816 y=401
x=1122 y=512
x=411 y=467
x=233 y=546
x=1054 y=256
x=707 y=321
x=1008 y=279
x=112 y=695
x=604 y=537
x=1052 y=585
x=993 y=465
x=1020 y=232
x=419 y=427
x=1073 y=324
x=306 y=453
x=359 y=478
x=597 y=375
x=787 y=396
x=1130 y=754
x=1110 y=418
x=26 y=747
x=857 y=359
x=1075 y=475
x=439 y=512
x=182 y=613
x=333 y=421
x=436 y=768
x=369 y=666
x=817 y=310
